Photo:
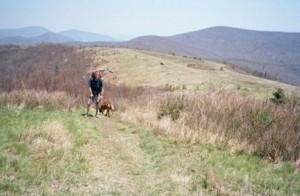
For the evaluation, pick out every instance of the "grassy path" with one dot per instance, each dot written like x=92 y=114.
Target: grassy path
x=62 y=153
x=128 y=160
x=120 y=165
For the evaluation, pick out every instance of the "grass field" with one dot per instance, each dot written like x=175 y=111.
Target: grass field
x=41 y=149
x=59 y=153
x=136 y=67
x=208 y=131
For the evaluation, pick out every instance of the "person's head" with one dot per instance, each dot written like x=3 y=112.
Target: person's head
x=97 y=74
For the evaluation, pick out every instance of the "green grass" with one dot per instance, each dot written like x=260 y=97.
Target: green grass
x=30 y=167
x=210 y=170
x=152 y=165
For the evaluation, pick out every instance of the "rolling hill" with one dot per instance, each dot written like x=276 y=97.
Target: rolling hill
x=138 y=67
x=274 y=53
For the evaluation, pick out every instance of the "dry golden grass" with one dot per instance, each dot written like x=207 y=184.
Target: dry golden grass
x=30 y=99
x=47 y=140
x=242 y=124
x=143 y=68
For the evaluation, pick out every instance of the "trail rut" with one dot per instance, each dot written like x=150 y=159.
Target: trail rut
x=118 y=164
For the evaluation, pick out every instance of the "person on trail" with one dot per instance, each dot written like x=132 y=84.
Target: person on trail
x=96 y=85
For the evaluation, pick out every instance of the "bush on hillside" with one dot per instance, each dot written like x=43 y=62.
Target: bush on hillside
x=171 y=107
x=279 y=96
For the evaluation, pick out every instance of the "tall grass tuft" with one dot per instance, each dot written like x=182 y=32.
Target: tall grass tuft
x=30 y=99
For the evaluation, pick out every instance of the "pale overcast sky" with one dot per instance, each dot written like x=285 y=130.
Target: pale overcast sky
x=131 y=18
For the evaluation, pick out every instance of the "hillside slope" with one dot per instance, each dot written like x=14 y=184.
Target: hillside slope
x=137 y=67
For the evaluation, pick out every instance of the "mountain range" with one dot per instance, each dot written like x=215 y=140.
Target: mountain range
x=36 y=34
x=272 y=53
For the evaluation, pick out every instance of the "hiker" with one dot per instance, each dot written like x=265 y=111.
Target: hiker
x=96 y=91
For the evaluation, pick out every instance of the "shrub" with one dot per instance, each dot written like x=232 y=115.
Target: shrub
x=279 y=96
x=171 y=107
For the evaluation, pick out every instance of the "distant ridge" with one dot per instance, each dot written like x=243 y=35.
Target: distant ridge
x=83 y=36
x=276 y=53
x=35 y=34
x=51 y=37
x=25 y=32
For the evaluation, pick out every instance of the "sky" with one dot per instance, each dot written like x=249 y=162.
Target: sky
x=126 y=19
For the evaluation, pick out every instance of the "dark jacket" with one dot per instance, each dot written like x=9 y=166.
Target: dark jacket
x=96 y=85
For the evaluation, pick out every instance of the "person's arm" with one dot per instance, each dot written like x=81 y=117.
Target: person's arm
x=90 y=89
x=101 y=92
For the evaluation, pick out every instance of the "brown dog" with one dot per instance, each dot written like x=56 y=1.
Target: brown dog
x=106 y=106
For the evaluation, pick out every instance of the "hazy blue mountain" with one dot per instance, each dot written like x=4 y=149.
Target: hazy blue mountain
x=277 y=53
x=232 y=43
x=83 y=36
x=14 y=40
x=26 y=32
x=19 y=36
x=50 y=38
x=162 y=44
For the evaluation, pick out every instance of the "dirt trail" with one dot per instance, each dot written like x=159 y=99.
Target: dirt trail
x=119 y=165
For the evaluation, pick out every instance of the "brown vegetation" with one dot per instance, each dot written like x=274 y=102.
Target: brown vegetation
x=37 y=76
x=44 y=68
x=239 y=123
x=30 y=99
